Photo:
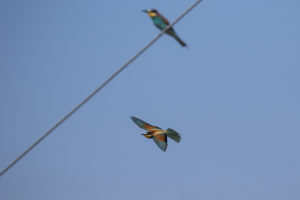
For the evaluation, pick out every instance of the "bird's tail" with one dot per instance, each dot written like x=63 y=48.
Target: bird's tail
x=182 y=43
x=173 y=135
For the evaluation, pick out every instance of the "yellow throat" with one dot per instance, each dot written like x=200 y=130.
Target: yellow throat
x=152 y=14
x=148 y=136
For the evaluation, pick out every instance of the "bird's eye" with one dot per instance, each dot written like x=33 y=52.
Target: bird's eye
x=153 y=10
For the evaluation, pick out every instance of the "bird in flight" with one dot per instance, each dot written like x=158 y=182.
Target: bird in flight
x=161 y=23
x=160 y=136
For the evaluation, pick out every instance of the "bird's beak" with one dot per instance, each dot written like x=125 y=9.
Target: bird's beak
x=146 y=11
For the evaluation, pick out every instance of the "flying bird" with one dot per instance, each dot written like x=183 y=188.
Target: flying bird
x=160 y=136
x=161 y=23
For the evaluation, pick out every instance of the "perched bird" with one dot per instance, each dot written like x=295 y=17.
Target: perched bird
x=161 y=23
x=159 y=136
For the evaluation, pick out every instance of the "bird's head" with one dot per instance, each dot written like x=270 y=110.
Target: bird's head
x=147 y=135
x=151 y=12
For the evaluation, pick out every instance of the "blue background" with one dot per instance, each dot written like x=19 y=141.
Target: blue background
x=233 y=95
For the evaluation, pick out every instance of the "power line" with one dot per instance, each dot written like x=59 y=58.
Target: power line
x=96 y=91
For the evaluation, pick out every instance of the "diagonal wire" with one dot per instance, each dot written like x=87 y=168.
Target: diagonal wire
x=96 y=91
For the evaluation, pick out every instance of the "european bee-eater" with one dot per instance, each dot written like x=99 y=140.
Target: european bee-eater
x=161 y=23
x=159 y=136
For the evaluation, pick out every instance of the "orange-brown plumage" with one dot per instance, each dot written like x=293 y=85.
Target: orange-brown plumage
x=158 y=135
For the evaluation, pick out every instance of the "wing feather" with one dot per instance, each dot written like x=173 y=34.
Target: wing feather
x=161 y=141
x=164 y=19
x=143 y=125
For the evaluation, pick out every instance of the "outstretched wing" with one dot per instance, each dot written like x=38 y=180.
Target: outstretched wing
x=161 y=141
x=143 y=124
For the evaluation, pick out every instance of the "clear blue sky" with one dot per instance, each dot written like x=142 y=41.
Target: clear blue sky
x=233 y=95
